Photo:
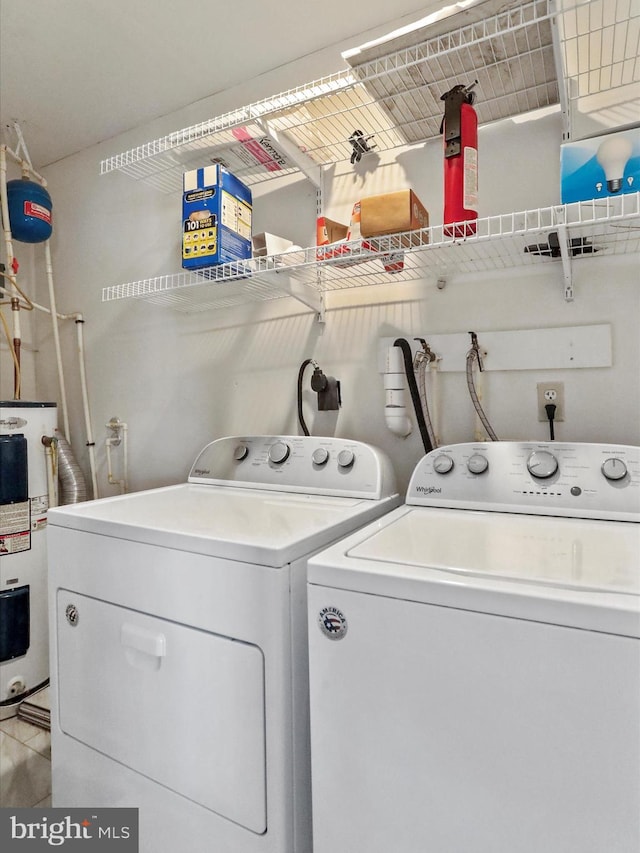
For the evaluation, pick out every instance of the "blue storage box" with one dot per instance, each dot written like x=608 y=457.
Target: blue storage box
x=216 y=218
x=602 y=166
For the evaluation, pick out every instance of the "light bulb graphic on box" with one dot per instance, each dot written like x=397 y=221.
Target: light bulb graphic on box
x=600 y=166
x=613 y=154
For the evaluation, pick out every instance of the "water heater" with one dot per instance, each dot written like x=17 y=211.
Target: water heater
x=26 y=479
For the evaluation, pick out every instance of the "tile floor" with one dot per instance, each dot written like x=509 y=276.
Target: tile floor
x=25 y=762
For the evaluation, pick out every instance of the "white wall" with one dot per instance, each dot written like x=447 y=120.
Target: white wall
x=181 y=380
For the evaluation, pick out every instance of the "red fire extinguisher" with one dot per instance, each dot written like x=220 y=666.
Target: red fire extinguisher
x=460 y=128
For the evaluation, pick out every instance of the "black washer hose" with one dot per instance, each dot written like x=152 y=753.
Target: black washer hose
x=303 y=367
x=415 y=394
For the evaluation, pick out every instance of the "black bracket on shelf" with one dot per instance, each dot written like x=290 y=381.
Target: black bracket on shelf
x=360 y=144
x=577 y=247
x=452 y=119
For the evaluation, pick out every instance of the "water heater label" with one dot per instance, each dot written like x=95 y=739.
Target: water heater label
x=15 y=532
x=14 y=518
x=39 y=507
x=15 y=542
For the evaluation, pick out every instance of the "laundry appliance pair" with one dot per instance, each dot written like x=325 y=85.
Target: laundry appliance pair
x=472 y=664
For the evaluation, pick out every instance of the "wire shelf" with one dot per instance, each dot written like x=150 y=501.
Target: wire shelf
x=190 y=292
x=599 y=42
x=396 y=97
x=393 y=90
x=601 y=227
x=510 y=54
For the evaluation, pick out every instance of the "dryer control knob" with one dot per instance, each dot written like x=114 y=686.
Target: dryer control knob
x=477 y=463
x=614 y=469
x=542 y=464
x=279 y=452
x=346 y=459
x=442 y=464
x=320 y=456
x=240 y=452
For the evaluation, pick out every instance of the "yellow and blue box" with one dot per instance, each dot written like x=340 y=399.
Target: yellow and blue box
x=216 y=218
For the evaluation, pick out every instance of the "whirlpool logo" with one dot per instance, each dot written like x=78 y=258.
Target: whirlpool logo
x=428 y=490
x=76 y=829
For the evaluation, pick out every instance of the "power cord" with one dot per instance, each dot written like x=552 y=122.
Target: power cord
x=550 y=409
x=303 y=367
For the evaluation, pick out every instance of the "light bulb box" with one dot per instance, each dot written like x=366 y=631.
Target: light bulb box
x=216 y=218
x=601 y=166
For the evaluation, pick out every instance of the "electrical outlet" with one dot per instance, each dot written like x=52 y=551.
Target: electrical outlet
x=551 y=392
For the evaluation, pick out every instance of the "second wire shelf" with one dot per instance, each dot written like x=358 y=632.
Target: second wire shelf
x=561 y=233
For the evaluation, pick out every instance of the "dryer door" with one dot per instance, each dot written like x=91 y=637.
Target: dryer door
x=182 y=706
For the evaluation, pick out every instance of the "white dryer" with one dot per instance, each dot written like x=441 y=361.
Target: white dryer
x=475 y=659
x=179 y=641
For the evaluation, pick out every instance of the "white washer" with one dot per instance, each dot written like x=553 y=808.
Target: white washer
x=475 y=659
x=179 y=640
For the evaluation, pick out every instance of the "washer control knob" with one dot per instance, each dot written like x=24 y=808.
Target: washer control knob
x=542 y=464
x=477 y=463
x=614 y=469
x=346 y=458
x=320 y=456
x=442 y=464
x=240 y=452
x=279 y=452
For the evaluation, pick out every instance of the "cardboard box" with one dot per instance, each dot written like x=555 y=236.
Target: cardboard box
x=216 y=218
x=352 y=249
x=339 y=250
x=600 y=167
x=392 y=213
x=329 y=231
x=269 y=244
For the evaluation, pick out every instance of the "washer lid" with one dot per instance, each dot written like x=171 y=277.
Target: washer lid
x=248 y=525
x=528 y=549
x=544 y=568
